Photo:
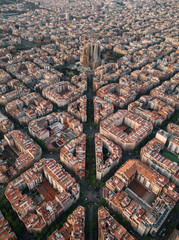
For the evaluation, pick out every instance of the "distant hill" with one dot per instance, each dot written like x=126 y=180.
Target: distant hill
x=10 y=1
x=29 y=5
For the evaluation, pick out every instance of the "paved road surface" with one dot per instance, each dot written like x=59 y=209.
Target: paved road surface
x=91 y=221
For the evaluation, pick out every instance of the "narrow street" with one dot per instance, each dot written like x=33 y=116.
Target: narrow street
x=89 y=131
x=91 y=221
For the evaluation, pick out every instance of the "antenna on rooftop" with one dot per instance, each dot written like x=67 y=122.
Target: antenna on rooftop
x=94 y=37
x=85 y=35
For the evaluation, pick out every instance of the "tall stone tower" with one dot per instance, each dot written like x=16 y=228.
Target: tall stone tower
x=90 y=57
x=96 y=56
